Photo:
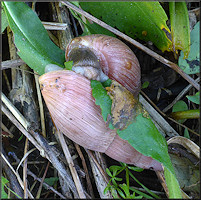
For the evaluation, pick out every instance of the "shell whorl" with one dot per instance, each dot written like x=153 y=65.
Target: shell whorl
x=116 y=59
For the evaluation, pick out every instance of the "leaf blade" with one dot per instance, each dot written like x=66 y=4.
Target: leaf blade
x=4 y=21
x=32 y=53
x=145 y=138
x=21 y=14
x=132 y=17
x=180 y=29
x=191 y=65
x=172 y=184
x=102 y=99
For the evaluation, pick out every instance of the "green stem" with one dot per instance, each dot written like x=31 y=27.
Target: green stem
x=154 y=195
x=188 y=114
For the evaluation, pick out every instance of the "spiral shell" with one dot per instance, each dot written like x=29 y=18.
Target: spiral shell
x=116 y=59
x=69 y=99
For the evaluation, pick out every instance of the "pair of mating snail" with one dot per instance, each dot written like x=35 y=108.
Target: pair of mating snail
x=68 y=95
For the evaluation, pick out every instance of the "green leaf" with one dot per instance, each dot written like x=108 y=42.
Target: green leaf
x=136 y=169
x=143 y=20
x=114 y=193
x=107 y=83
x=125 y=188
x=180 y=29
x=195 y=98
x=108 y=172
x=68 y=65
x=121 y=193
x=186 y=133
x=4 y=195
x=172 y=184
x=32 y=40
x=191 y=65
x=4 y=21
x=96 y=29
x=179 y=106
x=145 y=84
x=143 y=135
x=145 y=188
x=102 y=99
x=90 y=28
x=20 y=138
x=51 y=181
x=114 y=169
x=142 y=194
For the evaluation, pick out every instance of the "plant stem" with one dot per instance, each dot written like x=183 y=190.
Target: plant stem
x=188 y=114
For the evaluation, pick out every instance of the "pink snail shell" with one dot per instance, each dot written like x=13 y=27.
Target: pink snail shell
x=69 y=99
x=116 y=59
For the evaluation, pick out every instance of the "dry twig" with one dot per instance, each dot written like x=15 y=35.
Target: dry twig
x=71 y=166
x=38 y=179
x=25 y=170
x=89 y=185
x=46 y=151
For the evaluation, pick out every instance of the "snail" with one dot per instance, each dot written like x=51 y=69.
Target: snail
x=68 y=95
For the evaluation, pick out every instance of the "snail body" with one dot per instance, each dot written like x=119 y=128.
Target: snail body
x=68 y=96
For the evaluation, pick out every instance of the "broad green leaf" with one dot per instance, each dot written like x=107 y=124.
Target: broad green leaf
x=180 y=29
x=4 y=21
x=195 y=98
x=179 y=106
x=96 y=29
x=143 y=20
x=90 y=28
x=4 y=195
x=32 y=40
x=191 y=65
x=141 y=133
x=145 y=138
x=102 y=99
x=107 y=83
x=76 y=3
x=172 y=184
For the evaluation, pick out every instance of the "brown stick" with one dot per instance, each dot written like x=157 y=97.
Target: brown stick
x=71 y=165
x=89 y=185
x=36 y=177
x=135 y=43
x=42 y=181
x=25 y=169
